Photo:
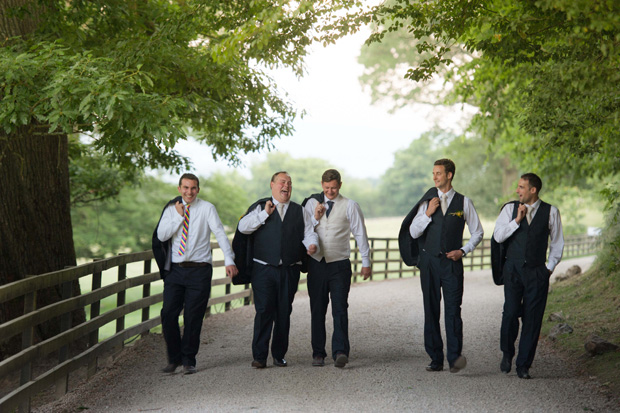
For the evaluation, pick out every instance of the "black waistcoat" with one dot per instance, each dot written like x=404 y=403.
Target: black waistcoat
x=529 y=242
x=277 y=240
x=445 y=233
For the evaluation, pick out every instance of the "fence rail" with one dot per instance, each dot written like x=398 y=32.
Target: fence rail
x=107 y=285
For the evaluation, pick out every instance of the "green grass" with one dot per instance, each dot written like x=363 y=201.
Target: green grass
x=591 y=304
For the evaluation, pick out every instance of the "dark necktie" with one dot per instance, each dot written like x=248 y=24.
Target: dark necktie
x=330 y=204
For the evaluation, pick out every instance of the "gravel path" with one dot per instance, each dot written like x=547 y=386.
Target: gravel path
x=386 y=370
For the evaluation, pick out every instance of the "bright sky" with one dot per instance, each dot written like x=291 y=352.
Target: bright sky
x=340 y=124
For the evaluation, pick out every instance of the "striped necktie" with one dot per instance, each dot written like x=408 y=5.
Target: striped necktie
x=184 y=231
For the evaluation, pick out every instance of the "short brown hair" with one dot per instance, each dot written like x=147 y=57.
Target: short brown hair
x=330 y=175
x=448 y=165
x=534 y=181
x=191 y=177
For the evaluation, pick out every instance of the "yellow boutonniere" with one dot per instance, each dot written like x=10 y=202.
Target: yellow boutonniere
x=458 y=214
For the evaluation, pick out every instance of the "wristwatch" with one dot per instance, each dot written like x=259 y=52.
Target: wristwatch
x=464 y=253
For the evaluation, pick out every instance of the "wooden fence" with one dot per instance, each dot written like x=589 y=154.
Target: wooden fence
x=106 y=283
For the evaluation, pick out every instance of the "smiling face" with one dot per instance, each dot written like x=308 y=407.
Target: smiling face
x=282 y=188
x=443 y=180
x=331 y=189
x=189 y=190
x=527 y=193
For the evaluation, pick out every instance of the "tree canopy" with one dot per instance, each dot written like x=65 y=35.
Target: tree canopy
x=544 y=75
x=137 y=76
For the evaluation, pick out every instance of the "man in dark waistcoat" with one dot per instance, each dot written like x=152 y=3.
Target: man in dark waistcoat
x=525 y=227
x=437 y=223
x=280 y=241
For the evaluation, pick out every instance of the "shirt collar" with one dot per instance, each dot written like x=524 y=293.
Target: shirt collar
x=535 y=205
x=449 y=193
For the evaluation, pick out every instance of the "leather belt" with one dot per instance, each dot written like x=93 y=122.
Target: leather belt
x=190 y=264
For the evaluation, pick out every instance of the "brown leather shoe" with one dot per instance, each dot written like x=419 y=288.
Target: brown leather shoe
x=341 y=360
x=259 y=364
x=458 y=365
x=170 y=368
x=318 y=361
x=189 y=369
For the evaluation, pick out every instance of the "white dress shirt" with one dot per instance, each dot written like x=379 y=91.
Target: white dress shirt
x=203 y=219
x=256 y=218
x=506 y=226
x=356 y=220
x=421 y=221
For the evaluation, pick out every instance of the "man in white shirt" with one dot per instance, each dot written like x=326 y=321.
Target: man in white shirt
x=525 y=227
x=334 y=218
x=185 y=226
x=438 y=226
x=279 y=241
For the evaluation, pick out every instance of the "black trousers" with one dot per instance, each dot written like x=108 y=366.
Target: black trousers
x=187 y=288
x=525 y=296
x=439 y=274
x=325 y=280
x=274 y=290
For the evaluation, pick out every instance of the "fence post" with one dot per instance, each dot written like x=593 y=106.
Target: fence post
x=95 y=309
x=372 y=255
x=120 y=297
x=30 y=304
x=62 y=385
x=146 y=292
x=387 y=258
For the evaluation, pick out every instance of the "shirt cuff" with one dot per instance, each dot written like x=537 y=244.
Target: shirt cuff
x=262 y=216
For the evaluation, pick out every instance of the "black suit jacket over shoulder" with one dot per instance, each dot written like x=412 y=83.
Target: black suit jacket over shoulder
x=161 y=249
x=408 y=246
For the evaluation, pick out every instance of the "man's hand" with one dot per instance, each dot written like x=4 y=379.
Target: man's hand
x=454 y=255
x=179 y=207
x=231 y=271
x=312 y=249
x=521 y=212
x=269 y=207
x=319 y=211
x=433 y=204
x=366 y=272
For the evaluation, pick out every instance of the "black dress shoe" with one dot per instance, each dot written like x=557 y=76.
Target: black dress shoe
x=523 y=373
x=279 y=362
x=506 y=364
x=170 y=368
x=189 y=369
x=434 y=367
x=259 y=364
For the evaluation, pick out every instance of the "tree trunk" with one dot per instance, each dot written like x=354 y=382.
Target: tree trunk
x=35 y=218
